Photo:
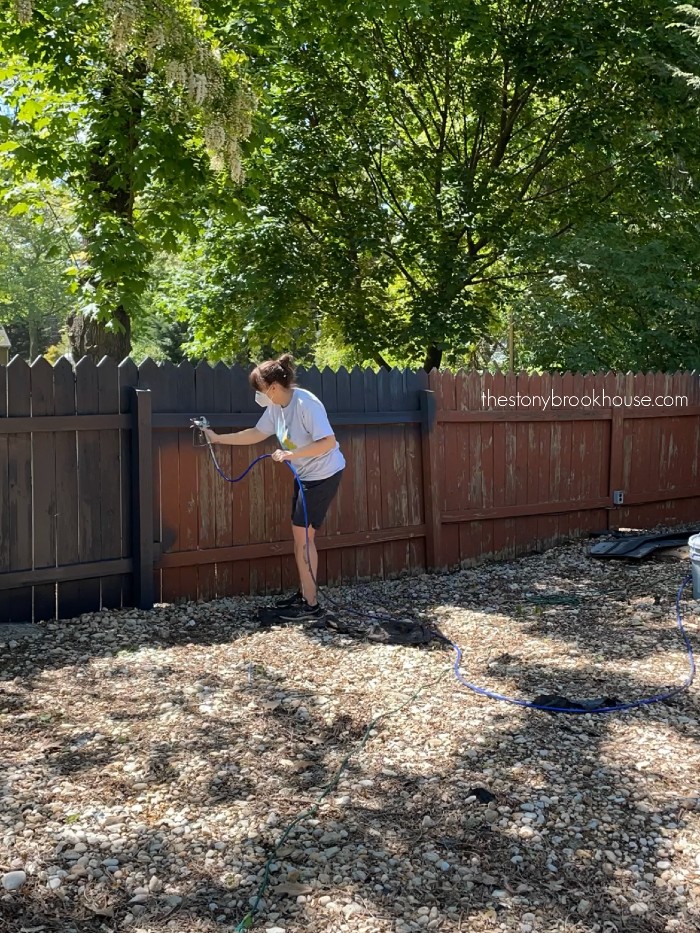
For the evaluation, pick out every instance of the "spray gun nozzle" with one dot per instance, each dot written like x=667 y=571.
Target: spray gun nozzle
x=199 y=439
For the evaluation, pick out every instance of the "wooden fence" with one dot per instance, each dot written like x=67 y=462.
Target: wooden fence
x=105 y=502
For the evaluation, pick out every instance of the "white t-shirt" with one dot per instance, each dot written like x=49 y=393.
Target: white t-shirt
x=301 y=422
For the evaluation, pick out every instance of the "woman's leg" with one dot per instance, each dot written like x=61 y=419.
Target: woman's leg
x=308 y=587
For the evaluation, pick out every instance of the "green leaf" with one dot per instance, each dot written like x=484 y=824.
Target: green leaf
x=29 y=109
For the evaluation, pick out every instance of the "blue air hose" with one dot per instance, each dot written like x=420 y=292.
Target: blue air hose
x=618 y=707
x=482 y=691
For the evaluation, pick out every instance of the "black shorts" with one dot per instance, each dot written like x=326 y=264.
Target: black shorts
x=319 y=494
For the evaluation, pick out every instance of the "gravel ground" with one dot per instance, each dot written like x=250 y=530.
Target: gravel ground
x=151 y=762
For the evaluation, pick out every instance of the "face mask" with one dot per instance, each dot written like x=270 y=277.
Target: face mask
x=262 y=400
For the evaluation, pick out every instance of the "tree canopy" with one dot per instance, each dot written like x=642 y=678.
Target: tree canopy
x=120 y=102
x=417 y=173
x=427 y=164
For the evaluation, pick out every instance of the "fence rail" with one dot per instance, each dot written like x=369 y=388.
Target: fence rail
x=104 y=501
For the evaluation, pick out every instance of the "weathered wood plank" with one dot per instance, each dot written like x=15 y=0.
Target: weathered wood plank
x=44 y=488
x=17 y=604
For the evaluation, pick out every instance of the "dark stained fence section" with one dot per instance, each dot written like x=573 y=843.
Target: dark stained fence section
x=63 y=490
x=106 y=502
x=17 y=603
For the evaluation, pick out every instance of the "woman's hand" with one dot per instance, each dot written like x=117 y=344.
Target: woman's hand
x=210 y=435
x=279 y=456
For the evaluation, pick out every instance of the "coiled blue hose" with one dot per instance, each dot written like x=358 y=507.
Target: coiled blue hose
x=618 y=707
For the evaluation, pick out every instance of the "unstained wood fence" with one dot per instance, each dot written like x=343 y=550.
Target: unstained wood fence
x=105 y=502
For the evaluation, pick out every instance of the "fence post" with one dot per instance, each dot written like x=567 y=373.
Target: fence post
x=617 y=464
x=431 y=478
x=142 y=497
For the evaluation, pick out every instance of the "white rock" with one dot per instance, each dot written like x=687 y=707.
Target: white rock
x=13 y=880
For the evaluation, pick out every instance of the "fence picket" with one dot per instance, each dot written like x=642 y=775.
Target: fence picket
x=243 y=400
x=4 y=485
x=90 y=482
x=44 y=485
x=223 y=491
x=127 y=379
x=373 y=553
x=67 y=489
x=207 y=481
x=415 y=382
x=110 y=471
x=16 y=604
x=177 y=522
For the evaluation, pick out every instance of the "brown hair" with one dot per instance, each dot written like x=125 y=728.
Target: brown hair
x=281 y=371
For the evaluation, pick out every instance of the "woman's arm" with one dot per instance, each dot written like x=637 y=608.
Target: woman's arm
x=315 y=449
x=248 y=436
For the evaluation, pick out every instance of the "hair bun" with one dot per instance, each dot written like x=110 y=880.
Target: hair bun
x=280 y=371
x=286 y=365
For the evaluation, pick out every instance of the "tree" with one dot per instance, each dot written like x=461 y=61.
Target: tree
x=34 y=295
x=121 y=100
x=161 y=328
x=623 y=293
x=615 y=298
x=421 y=157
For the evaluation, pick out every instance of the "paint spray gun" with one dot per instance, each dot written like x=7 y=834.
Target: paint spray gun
x=199 y=438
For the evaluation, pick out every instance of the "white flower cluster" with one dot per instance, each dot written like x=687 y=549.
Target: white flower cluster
x=197 y=84
x=24 y=11
x=222 y=135
x=176 y=73
x=215 y=137
x=240 y=113
x=224 y=151
x=154 y=40
x=192 y=65
x=217 y=161
x=126 y=16
x=197 y=87
x=233 y=161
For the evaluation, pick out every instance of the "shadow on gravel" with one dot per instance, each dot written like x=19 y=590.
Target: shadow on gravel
x=574 y=841
x=557 y=863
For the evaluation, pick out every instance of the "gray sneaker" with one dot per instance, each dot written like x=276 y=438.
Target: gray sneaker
x=301 y=612
x=286 y=602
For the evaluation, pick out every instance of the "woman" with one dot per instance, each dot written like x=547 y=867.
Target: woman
x=307 y=441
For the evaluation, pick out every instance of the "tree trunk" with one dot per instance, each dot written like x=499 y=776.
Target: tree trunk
x=433 y=358
x=33 y=339
x=89 y=337
x=114 y=178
